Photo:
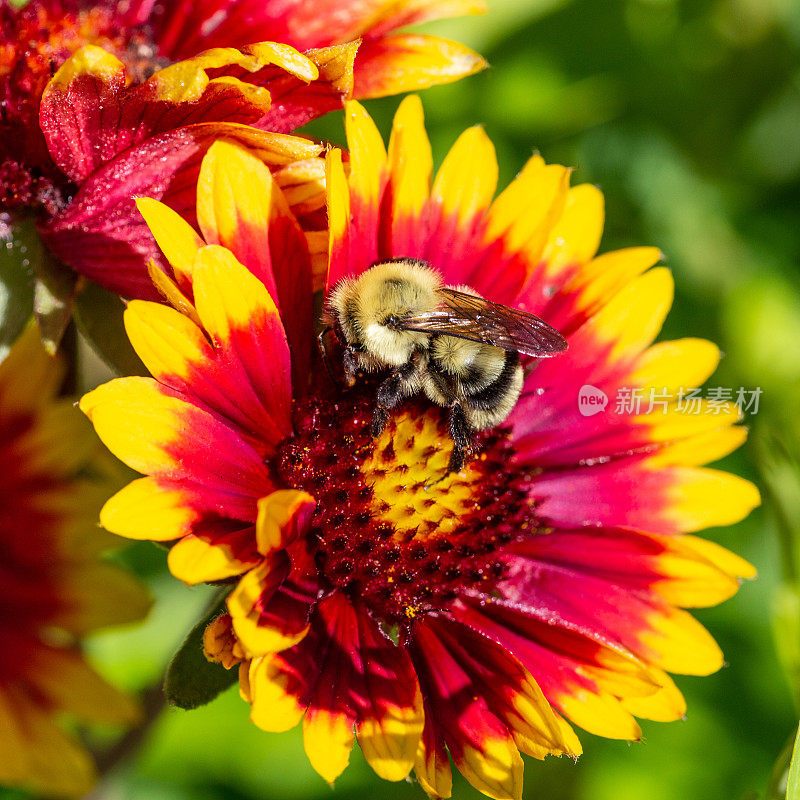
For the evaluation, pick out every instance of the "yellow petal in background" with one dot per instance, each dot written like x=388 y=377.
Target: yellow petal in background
x=525 y=212
x=465 y=183
x=574 y=239
x=410 y=158
x=42 y=372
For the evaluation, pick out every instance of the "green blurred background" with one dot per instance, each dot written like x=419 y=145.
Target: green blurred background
x=687 y=114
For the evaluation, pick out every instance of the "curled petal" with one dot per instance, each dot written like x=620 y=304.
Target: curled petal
x=406 y=62
x=102 y=227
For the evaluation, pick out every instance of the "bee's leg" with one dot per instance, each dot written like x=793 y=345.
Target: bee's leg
x=529 y=368
x=380 y=416
x=390 y=394
x=323 y=351
x=350 y=363
x=461 y=433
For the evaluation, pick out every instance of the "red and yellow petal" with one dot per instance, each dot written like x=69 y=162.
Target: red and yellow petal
x=481 y=746
x=483 y=720
x=407 y=62
x=700 y=498
x=244 y=325
x=177 y=352
x=638 y=620
x=145 y=426
x=337 y=195
x=267 y=618
x=673 y=567
x=410 y=164
x=69 y=684
x=348 y=679
x=366 y=182
x=172 y=347
x=432 y=764
x=279 y=691
x=466 y=181
x=38 y=753
x=283 y=516
x=328 y=738
x=525 y=212
x=573 y=240
x=579 y=670
x=163 y=510
x=215 y=551
x=234 y=207
x=256 y=220
x=390 y=713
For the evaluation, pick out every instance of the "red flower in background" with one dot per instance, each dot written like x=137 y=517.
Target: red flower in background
x=55 y=587
x=94 y=111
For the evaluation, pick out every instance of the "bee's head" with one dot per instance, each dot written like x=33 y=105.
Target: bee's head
x=371 y=307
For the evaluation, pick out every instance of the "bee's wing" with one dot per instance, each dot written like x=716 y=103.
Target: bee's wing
x=469 y=317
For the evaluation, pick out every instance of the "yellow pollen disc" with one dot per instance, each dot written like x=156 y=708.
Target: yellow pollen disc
x=407 y=472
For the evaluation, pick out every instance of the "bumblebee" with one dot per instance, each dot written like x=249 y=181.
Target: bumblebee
x=460 y=350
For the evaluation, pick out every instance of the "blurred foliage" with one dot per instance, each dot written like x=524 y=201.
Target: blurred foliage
x=98 y=314
x=793 y=779
x=687 y=114
x=19 y=248
x=785 y=778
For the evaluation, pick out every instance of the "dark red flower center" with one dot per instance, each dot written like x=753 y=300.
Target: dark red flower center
x=391 y=526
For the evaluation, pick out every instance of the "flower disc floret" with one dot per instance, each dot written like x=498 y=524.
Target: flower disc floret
x=391 y=526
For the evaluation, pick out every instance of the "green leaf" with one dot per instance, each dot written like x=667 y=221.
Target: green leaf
x=793 y=782
x=19 y=249
x=191 y=680
x=54 y=292
x=784 y=781
x=785 y=618
x=98 y=314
